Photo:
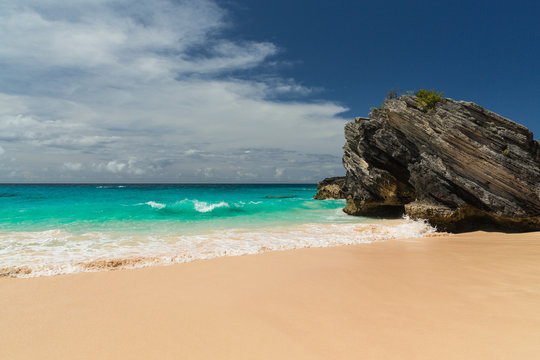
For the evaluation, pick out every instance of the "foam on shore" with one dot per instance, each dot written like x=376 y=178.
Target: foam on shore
x=45 y=253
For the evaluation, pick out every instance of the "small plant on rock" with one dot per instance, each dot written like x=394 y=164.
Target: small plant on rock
x=392 y=93
x=373 y=108
x=426 y=99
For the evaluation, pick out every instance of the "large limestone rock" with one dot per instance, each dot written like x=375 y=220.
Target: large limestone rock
x=457 y=165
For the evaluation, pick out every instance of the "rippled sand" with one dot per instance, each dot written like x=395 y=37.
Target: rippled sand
x=468 y=296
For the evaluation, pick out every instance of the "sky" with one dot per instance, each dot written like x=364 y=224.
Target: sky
x=190 y=91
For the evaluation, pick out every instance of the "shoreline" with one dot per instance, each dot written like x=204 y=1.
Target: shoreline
x=472 y=295
x=82 y=253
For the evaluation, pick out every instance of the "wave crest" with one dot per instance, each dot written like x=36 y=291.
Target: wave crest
x=202 y=206
x=155 y=205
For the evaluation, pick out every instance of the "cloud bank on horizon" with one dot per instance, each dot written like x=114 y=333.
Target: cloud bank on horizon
x=114 y=91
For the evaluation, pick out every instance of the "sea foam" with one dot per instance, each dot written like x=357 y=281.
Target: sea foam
x=30 y=254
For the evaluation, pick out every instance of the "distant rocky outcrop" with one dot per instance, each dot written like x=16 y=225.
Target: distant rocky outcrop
x=331 y=188
x=456 y=164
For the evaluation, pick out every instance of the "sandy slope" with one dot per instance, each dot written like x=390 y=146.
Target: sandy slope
x=469 y=296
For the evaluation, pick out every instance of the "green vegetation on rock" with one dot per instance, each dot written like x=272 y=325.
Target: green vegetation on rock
x=426 y=99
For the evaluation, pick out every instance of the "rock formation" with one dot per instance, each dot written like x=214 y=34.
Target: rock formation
x=331 y=188
x=457 y=165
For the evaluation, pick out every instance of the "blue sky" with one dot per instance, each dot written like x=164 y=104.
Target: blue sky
x=482 y=51
x=238 y=91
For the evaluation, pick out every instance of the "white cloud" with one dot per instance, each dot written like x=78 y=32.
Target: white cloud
x=206 y=173
x=119 y=166
x=2 y=151
x=278 y=172
x=101 y=83
x=191 y=152
x=72 y=166
x=115 y=166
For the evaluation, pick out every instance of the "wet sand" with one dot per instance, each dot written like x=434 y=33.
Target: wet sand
x=468 y=296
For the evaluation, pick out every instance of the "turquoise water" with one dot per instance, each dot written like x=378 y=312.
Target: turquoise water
x=184 y=208
x=51 y=229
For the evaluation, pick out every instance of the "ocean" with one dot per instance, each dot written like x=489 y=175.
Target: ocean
x=59 y=229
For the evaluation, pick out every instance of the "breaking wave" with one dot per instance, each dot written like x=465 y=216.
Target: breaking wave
x=195 y=207
x=188 y=207
x=204 y=207
x=155 y=205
